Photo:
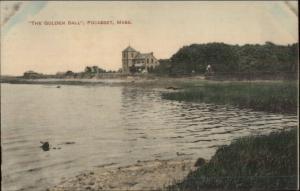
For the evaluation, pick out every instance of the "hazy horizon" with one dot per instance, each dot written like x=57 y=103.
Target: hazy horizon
x=159 y=27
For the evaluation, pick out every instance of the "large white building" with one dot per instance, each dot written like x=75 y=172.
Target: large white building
x=140 y=61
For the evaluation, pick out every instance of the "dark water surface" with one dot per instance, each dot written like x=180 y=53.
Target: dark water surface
x=91 y=126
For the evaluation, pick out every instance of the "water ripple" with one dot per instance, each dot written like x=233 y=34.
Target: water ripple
x=111 y=125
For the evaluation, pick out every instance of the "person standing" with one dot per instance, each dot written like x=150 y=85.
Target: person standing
x=208 y=69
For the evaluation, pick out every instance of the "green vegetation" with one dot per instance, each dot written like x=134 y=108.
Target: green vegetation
x=256 y=60
x=266 y=162
x=164 y=68
x=89 y=72
x=279 y=97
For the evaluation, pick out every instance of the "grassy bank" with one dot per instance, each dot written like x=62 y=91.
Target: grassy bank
x=279 y=97
x=267 y=162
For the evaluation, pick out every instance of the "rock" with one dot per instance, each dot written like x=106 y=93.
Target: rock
x=200 y=162
x=45 y=146
x=179 y=154
x=57 y=86
x=91 y=183
x=130 y=184
x=172 y=88
x=69 y=143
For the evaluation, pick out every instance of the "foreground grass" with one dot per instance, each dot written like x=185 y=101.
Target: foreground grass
x=279 y=97
x=267 y=162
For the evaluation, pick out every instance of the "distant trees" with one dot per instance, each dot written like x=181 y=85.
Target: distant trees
x=225 y=58
x=88 y=69
x=89 y=72
x=220 y=56
x=69 y=73
x=164 y=67
x=93 y=70
x=32 y=75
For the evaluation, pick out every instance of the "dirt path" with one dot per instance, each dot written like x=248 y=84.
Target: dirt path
x=149 y=175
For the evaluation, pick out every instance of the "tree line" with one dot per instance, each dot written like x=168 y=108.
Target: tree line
x=225 y=58
x=89 y=72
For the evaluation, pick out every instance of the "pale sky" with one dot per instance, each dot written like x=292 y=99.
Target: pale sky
x=159 y=27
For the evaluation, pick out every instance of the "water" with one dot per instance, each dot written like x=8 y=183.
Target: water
x=98 y=125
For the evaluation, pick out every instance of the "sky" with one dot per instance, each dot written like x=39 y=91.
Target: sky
x=158 y=27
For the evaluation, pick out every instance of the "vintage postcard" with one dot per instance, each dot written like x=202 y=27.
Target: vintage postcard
x=149 y=95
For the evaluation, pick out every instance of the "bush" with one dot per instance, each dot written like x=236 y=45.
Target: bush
x=256 y=163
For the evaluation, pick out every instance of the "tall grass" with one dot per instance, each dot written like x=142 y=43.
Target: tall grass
x=267 y=162
x=280 y=97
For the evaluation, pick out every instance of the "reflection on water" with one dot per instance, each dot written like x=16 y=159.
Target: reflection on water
x=90 y=126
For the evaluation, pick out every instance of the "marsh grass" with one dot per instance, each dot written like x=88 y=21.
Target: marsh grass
x=279 y=97
x=266 y=162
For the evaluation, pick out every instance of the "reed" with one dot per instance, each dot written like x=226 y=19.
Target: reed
x=279 y=97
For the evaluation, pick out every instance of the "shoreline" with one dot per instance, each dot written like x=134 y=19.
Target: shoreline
x=143 y=175
x=130 y=81
x=149 y=81
x=232 y=161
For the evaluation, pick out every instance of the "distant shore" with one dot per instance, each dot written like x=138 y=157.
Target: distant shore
x=146 y=81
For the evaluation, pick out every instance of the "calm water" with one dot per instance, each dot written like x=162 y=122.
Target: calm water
x=105 y=124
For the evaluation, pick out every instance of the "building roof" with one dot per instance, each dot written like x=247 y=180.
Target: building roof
x=129 y=49
x=143 y=55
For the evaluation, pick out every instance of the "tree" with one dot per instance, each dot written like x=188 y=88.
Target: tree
x=164 y=67
x=88 y=69
x=69 y=72
x=132 y=69
x=225 y=58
